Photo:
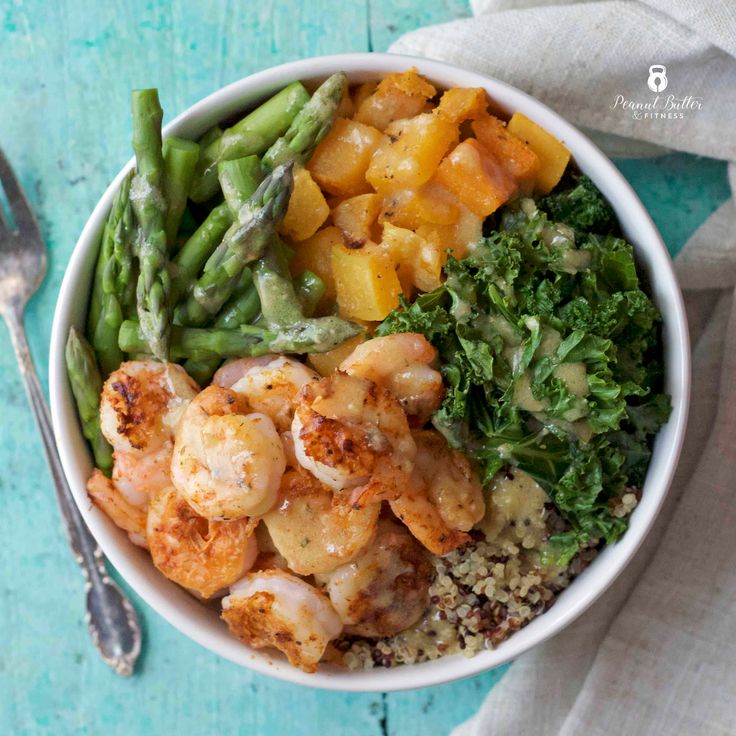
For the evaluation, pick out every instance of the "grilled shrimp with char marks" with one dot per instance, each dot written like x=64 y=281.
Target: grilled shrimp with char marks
x=201 y=555
x=140 y=406
x=273 y=608
x=401 y=363
x=228 y=461
x=352 y=434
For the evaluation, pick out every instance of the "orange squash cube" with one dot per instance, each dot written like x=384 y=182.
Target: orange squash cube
x=397 y=96
x=553 y=156
x=340 y=161
x=361 y=92
x=456 y=237
x=366 y=282
x=420 y=261
x=518 y=158
x=410 y=154
x=307 y=208
x=315 y=255
x=413 y=207
x=476 y=178
x=356 y=216
x=463 y=103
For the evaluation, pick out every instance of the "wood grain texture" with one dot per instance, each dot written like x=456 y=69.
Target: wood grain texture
x=67 y=69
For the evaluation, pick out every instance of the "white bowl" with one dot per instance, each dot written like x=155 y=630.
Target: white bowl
x=202 y=623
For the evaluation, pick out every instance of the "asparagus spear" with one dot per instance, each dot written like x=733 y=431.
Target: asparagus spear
x=210 y=135
x=242 y=308
x=119 y=202
x=201 y=343
x=115 y=284
x=86 y=383
x=309 y=290
x=192 y=256
x=282 y=312
x=310 y=126
x=239 y=178
x=149 y=206
x=125 y=251
x=252 y=135
x=105 y=336
x=180 y=161
x=244 y=241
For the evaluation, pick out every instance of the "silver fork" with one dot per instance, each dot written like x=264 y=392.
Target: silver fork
x=110 y=617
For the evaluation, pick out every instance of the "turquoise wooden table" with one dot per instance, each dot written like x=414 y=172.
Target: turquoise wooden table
x=66 y=69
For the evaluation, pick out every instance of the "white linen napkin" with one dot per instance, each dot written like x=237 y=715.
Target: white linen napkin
x=657 y=653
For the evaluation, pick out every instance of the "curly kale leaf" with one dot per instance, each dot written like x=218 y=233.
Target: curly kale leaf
x=582 y=207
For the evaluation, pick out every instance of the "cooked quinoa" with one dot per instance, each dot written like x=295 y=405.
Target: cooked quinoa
x=486 y=590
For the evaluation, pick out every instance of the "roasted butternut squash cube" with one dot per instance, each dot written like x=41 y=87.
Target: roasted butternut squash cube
x=397 y=96
x=361 y=92
x=410 y=154
x=307 y=208
x=463 y=103
x=414 y=207
x=315 y=254
x=366 y=282
x=553 y=156
x=456 y=237
x=356 y=216
x=476 y=178
x=327 y=363
x=516 y=156
x=420 y=261
x=340 y=161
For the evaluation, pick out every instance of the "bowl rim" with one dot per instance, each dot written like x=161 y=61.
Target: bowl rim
x=160 y=594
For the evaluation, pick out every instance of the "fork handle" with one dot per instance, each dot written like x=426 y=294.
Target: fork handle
x=110 y=617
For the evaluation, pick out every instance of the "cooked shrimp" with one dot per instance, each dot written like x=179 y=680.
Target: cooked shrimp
x=313 y=530
x=124 y=514
x=401 y=363
x=201 y=555
x=227 y=462
x=386 y=588
x=141 y=404
x=233 y=371
x=268 y=556
x=444 y=499
x=139 y=474
x=272 y=608
x=352 y=434
x=287 y=441
x=269 y=383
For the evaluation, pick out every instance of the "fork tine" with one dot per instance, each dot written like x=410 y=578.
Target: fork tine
x=21 y=210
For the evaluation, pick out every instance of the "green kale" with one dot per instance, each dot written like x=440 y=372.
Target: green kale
x=582 y=207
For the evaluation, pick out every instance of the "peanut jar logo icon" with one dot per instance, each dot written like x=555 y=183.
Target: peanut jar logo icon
x=657 y=81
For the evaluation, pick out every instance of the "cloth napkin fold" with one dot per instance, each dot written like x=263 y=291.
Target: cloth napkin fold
x=657 y=653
